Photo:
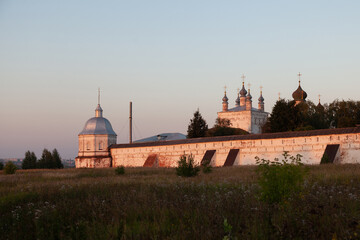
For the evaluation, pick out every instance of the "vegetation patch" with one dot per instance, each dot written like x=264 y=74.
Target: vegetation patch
x=154 y=203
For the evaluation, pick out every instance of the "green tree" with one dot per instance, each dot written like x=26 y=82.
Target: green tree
x=223 y=127
x=57 y=159
x=344 y=113
x=10 y=168
x=284 y=117
x=46 y=160
x=1 y=166
x=29 y=161
x=197 y=126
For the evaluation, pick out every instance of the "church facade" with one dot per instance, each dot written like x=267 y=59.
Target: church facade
x=243 y=115
x=94 y=142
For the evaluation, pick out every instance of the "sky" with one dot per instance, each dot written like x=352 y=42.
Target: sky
x=169 y=58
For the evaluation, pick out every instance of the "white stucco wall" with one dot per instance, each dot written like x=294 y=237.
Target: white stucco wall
x=311 y=148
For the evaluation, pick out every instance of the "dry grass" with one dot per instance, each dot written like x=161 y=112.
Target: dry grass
x=148 y=203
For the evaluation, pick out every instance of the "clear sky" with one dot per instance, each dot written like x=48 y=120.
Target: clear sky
x=168 y=57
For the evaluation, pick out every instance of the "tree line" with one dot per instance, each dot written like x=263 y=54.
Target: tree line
x=48 y=159
x=287 y=116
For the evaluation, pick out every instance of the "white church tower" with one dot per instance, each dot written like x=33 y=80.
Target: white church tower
x=243 y=115
x=94 y=141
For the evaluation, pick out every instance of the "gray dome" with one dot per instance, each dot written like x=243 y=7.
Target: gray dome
x=97 y=126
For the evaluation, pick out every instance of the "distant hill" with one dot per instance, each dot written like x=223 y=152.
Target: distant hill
x=163 y=137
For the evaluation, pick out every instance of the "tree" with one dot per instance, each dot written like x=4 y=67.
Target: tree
x=223 y=127
x=29 y=161
x=197 y=126
x=1 y=166
x=57 y=159
x=46 y=160
x=284 y=117
x=10 y=168
x=344 y=113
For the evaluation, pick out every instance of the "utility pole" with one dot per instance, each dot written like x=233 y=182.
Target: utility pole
x=130 y=124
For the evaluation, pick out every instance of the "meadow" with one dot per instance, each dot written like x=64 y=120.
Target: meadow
x=155 y=203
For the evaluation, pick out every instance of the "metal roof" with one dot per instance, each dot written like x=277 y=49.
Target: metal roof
x=97 y=126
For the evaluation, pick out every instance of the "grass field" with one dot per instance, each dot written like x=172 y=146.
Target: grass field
x=148 y=203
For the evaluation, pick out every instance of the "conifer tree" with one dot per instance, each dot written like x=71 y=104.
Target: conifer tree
x=197 y=126
x=57 y=159
x=29 y=161
x=46 y=160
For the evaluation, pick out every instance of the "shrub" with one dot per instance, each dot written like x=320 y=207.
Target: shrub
x=186 y=166
x=206 y=167
x=10 y=168
x=1 y=166
x=120 y=170
x=279 y=180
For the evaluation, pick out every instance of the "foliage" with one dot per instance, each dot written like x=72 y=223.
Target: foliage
x=280 y=180
x=197 y=126
x=287 y=116
x=120 y=170
x=57 y=159
x=206 y=167
x=49 y=160
x=223 y=127
x=29 y=161
x=154 y=203
x=1 y=166
x=227 y=230
x=344 y=113
x=10 y=168
x=187 y=167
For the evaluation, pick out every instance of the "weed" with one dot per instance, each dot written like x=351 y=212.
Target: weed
x=279 y=180
x=187 y=167
x=120 y=170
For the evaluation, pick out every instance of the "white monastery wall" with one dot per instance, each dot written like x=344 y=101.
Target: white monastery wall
x=311 y=148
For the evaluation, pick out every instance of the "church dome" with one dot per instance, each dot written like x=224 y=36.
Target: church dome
x=98 y=125
x=261 y=98
x=299 y=94
x=249 y=97
x=225 y=98
x=243 y=91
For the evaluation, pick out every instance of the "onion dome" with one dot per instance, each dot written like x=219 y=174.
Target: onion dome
x=320 y=107
x=299 y=94
x=225 y=98
x=261 y=99
x=248 y=97
x=243 y=91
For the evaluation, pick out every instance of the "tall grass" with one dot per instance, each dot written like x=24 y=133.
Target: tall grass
x=148 y=203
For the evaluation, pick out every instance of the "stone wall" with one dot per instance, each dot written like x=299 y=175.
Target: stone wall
x=311 y=147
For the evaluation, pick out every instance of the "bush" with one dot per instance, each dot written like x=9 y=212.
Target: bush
x=120 y=170
x=186 y=166
x=206 y=167
x=10 y=168
x=279 y=180
x=1 y=166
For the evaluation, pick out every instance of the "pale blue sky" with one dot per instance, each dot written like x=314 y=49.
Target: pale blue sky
x=168 y=57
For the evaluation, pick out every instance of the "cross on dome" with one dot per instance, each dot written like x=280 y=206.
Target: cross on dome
x=299 y=74
x=99 y=96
